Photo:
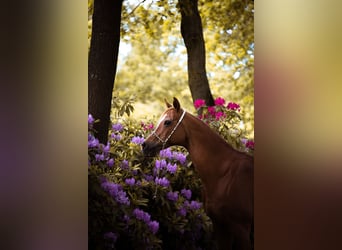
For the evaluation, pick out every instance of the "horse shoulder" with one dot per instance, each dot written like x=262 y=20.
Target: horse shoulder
x=234 y=192
x=242 y=188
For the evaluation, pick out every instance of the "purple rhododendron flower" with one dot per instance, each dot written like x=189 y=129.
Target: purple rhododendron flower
x=106 y=148
x=116 y=137
x=194 y=205
x=162 y=182
x=110 y=162
x=117 y=127
x=110 y=235
x=138 y=140
x=115 y=190
x=93 y=142
x=110 y=186
x=179 y=157
x=199 y=103
x=219 y=101
x=182 y=211
x=166 y=153
x=141 y=215
x=99 y=157
x=122 y=198
x=172 y=196
x=172 y=168
x=130 y=181
x=148 y=177
x=186 y=193
x=153 y=226
x=124 y=164
x=90 y=120
x=244 y=140
x=160 y=164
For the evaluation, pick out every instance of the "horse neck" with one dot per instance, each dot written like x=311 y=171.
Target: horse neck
x=206 y=148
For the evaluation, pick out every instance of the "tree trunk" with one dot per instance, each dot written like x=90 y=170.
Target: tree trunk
x=102 y=62
x=192 y=33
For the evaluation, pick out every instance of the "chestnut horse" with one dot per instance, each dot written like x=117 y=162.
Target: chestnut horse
x=226 y=174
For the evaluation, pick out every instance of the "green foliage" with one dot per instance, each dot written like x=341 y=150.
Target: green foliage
x=90 y=20
x=229 y=34
x=121 y=106
x=152 y=60
x=227 y=120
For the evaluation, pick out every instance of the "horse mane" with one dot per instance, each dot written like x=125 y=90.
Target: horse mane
x=215 y=135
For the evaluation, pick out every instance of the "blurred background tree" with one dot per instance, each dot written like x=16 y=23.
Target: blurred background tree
x=152 y=63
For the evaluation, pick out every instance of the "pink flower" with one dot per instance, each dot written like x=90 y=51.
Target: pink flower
x=219 y=101
x=212 y=110
x=218 y=115
x=147 y=127
x=233 y=106
x=199 y=103
x=250 y=144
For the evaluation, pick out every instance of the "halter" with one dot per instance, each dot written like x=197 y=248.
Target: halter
x=173 y=130
x=165 y=141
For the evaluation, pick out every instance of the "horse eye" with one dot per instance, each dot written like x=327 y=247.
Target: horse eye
x=167 y=122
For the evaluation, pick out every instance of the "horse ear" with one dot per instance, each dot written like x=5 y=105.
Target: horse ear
x=168 y=105
x=176 y=104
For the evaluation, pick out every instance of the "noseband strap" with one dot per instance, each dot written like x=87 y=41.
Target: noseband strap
x=173 y=130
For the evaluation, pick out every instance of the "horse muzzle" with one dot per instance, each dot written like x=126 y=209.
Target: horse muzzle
x=151 y=149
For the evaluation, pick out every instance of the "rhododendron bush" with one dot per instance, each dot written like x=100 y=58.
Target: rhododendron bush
x=226 y=119
x=148 y=203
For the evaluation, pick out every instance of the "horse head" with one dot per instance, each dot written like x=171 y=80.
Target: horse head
x=169 y=130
